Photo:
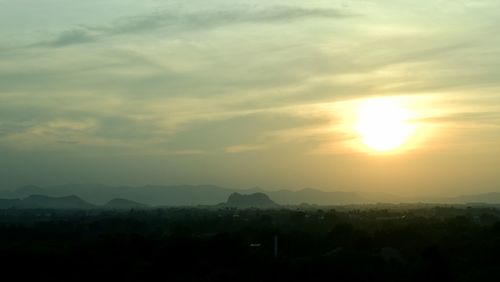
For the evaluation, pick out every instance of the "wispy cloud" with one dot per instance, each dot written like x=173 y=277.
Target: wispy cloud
x=71 y=37
x=176 y=22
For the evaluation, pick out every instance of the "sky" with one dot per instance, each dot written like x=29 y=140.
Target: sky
x=249 y=93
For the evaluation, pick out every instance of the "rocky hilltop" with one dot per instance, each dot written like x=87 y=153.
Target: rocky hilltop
x=255 y=200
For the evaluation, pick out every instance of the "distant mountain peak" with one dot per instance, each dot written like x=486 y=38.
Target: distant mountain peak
x=255 y=200
x=46 y=202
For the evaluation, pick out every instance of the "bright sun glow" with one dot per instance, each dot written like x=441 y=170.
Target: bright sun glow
x=384 y=124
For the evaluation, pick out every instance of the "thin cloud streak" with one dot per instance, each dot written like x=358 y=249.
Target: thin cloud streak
x=172 y=23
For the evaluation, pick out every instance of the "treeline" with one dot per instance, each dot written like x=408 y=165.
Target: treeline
x=421 y=244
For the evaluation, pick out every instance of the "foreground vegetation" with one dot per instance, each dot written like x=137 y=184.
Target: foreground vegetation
x=398 y=243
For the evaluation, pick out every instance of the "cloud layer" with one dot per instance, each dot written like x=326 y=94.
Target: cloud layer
x=225 y=85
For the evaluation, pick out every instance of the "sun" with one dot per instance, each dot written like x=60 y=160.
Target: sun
x=384 y=124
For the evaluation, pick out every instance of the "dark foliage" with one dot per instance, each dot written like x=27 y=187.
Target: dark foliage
x=398 y=244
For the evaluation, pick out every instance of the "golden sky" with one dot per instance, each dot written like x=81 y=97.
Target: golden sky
x=388 y=96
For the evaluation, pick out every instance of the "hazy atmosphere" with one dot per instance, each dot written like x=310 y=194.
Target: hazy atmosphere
x=399 y=97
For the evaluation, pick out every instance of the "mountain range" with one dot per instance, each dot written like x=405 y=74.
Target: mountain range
x=185 y=195
x=66 y=203
x=192 y=195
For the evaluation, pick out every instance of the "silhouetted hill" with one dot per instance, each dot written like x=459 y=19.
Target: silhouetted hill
x=255 y=200
x=45 y=202
x=187 y=195
x=183 y=195
x=67 y=202
x=192 y=195
x=124 y=204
